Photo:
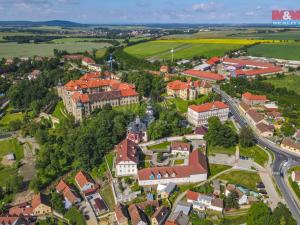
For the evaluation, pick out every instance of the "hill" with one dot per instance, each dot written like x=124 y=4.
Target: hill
x=61 y=23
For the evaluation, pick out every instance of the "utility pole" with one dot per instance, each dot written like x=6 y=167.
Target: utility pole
x=172 y=52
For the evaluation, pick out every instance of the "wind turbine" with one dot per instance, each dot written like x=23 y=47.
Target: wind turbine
x=172 y=52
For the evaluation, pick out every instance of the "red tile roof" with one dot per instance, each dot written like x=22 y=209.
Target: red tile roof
x=297 y=175
x=39 y=199
x=82 y=178
x=255 y=116
x=61 y=186
x=88 y=60
x=121 y=212
x=90 y=76
x=204 y=75
x=126 y=151
x=129 y=93
x=70 y=195
x=5 y=220
x=74 y=56
x=197 y=165
x=177 y=85
x=213 y=60
x=175 y=145
x=24 y=209
x=191 y=195
x=78 y=97
x=136 y=215
x=252 y=97
x=258 y=71
x=209 y=106
x=244 y=62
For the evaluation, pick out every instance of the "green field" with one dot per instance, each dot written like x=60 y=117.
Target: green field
x=216 y=168
x=8 y=117
x=243 y=178
x=161 y=146
x=219 y=149
x=256 y=153
x=75 y=217
x=59 y=108
x=9 y=50
x=161 y=50
x=182 y=105
x=291 y=82
x=107 y=195
x=279 y=50
x=11 y=146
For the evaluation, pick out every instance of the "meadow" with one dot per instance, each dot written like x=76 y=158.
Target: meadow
x=187 y=48
x=291 y=82
x=289 y=51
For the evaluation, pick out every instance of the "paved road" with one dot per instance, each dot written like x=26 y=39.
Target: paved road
x=281 y=156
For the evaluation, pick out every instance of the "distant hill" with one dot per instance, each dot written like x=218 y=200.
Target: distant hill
x=61 y=23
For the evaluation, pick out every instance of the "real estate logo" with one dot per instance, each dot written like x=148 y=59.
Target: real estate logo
x=286 y=17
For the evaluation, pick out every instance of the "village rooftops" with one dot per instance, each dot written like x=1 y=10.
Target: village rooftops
x=213 y=60
x=127 y=151
x=82 y=178
x=204 y=75
x=121 y=212
x=88 y=60
x=182 y=146
x=244 y=106
x=255 y=116
x=197 y=165
x=256 y=72
x=160 y=213
x=136 y=215
x=252 y=97
x=249 y=63
x=262 y=127
x=209 y=106
x=178 y=218
x=296 y=176
x=39 y=199
x=291 y=143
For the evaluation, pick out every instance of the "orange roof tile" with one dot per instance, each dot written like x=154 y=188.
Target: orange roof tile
x=245 y=62
x=249 y=96
x=204 y=75
x=126 y=151
x=191 y=195
x=88 y=60
x=209 y=106
x=83 y=178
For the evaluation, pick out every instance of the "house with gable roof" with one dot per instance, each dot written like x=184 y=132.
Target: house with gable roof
x=69 y=194
x=127 y=158
x=84 y=181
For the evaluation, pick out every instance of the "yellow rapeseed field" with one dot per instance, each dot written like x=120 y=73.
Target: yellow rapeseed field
x=217 y=41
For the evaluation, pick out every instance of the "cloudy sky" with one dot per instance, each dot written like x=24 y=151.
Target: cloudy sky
x=143 y=11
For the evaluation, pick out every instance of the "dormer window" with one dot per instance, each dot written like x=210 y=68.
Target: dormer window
x=151 y=177
x=159 y=176
x=166 y=175
x=173 y=175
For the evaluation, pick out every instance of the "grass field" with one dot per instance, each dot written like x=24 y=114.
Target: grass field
x=216 y=168
x=218 y=149
x=182 y=105
x=291 y=82
x=11 y=146
x=135 y=108
x=256 y=153
x=243 y=178
x=8 y=117
x=110 y=159
x=6 y=174
x=75 y=217
x=9 y=50
x=278 y=50
x=161 y=146
x=107 y=195
x=57 y=111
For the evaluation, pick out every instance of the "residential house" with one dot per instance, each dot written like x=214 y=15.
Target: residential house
x=271 y=106
x=69 y=194
x=178 y=218
x=184 y=207
x=255 y=117
x=121 y=214
x=290 y=144
x=164 y=191
x=160 y=216
x=199 y=114
x=137 y=216
x=244 y=107
x=84 y=181
x=195 y=171
x=296 y=177
x=277 y=116
x=41 y=205
x=243 y=199
x=99 y=206
x=23 y=209
x=252 y=100
x=202 y=202
x=87 y=61
x=13 y=220
x=182 y=148
x=34 y=74
x=137 y=131
x=127 y=158
x=265 y=130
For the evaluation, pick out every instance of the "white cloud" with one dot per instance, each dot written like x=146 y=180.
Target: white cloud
x=205 y=7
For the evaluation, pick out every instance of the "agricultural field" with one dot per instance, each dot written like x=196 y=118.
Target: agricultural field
x=291 y=82
x=9 y=50
x=187 y=48
x=279 y=50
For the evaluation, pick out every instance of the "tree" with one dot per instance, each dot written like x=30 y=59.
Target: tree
x=282 y=215
x=232 y=200
x=149 y=210
x=246 y=137
x=288 y=129
x=57 y=202
x=259 y=214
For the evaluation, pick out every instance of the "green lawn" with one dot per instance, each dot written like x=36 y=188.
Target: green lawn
x=161 y=146
x=12 y=49
x=135 y=108
x=58 y=111
x=216 y=168
x=256 y=153
x=278 y=50
x=295 y=187
x=243 y=178
x=8 y=117
x=219 y=149
x=232 y=220
x=11 y=146
x=6 y=174
x=107 y=195
x=182 y=105
x=291 y=82
x=110 y=160
x=178 y=161
x=75 y=217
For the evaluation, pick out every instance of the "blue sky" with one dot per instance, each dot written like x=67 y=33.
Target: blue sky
x=143 y=11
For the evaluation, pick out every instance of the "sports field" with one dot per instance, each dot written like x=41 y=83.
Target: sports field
x=187 y=48
x=279 y=50
x=28 y=50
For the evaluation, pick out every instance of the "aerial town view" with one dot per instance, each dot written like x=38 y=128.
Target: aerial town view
x=137 y=112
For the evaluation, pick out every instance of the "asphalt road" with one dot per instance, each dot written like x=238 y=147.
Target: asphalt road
x=282 y=157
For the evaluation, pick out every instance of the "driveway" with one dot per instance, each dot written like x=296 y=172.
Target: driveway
x=86 y=210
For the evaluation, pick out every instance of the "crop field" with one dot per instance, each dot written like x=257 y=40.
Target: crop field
x=28 y=50
x=291 y=82
x=279 y=50
x=187 y=48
